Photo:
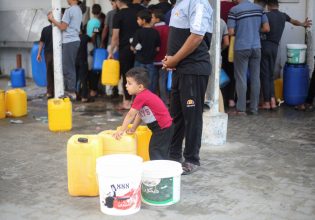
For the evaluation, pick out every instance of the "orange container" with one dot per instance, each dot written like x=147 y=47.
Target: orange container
x=82 y=152
x=126 y=145
x=16 y=102
x=59 y=114
x=278 y=83
x=2 y=104
x=110 y=72
x=143 y=135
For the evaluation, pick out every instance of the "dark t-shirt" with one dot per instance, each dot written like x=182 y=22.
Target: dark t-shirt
x=198 y=62
x=82 y=52
x=137 y=7
x=277 y=21
x=164 y=6
x=46 y=38
x=126 y=21
x=149 y=39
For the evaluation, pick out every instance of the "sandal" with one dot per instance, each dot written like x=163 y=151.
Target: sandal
x=189 y=168
x=237 y=113
x=300 y=107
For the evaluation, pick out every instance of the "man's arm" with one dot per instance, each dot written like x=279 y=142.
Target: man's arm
x=40 y=47
x=265 y=27
x=114 y=44
x=104 y=35
x=307 y=23
x=190 y=45
x=61 y=25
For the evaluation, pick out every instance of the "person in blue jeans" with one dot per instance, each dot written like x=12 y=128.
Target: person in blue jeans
x=146 y=44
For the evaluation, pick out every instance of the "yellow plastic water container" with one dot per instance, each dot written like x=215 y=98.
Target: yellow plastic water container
x=143 y=134
x=59 y=114
x=231 y=49
x=110 y=72
x=2 y=104
x=82 y=152
x=126 y=145
x=278 y=83
x=16 y=103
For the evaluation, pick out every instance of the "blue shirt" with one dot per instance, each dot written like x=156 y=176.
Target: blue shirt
x=72 y=17
x=246 y=19
x=92 y=24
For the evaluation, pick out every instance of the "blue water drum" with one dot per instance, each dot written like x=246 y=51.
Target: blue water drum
x=17 y=77
x=295 y=83
x=116 y=55
x=38 y=68
x=100 y=54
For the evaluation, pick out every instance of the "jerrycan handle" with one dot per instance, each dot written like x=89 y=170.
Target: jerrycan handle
x=83 y=140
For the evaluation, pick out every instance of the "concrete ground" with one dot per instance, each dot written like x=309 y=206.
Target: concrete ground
x=265 y=171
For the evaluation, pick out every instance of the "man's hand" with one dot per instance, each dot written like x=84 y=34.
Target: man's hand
x=39 y=58
x=50 y=16
x=169 y=62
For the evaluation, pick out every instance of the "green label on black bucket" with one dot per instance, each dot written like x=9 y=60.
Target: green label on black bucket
x=157 y=191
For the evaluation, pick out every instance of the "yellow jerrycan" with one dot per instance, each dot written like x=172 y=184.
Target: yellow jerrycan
x=16 y=102
x=82 y=152
x=126 y=145
x=59 y=114
x=143 y=135
x=278 y=83
x=231 y=49
x=110 y=72
x=2 y=105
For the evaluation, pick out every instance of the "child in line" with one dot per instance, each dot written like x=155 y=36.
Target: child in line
x=150 y=109
x=146 y=44
x=163 y=29
x=81 y=65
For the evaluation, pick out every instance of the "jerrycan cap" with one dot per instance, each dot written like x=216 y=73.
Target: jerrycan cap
x=67 y=99
x=83 y=140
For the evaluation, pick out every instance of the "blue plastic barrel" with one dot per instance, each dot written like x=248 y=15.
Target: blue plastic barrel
x=38 y=68
x=224 y=79
x=100 y=54
x=17 y=77
x=295 y=83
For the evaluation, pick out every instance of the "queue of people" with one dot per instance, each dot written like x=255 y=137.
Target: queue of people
x=149 y=47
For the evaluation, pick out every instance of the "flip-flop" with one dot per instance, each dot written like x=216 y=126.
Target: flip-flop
x=189 y=168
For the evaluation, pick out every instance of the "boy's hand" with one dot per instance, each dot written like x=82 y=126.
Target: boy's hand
x=131 y=130
x=118 y=134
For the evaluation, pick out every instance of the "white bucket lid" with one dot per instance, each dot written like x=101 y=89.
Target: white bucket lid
x=161 y=169
x=296 y=46
x=119 y=165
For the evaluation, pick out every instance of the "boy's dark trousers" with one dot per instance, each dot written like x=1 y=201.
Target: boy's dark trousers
x=49 y=59
x=160 y=141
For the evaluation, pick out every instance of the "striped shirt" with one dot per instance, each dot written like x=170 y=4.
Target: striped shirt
x=246 y=19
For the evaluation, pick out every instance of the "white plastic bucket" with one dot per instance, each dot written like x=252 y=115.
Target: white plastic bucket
x=161 y=182
x=296 y=53
x=119 y=179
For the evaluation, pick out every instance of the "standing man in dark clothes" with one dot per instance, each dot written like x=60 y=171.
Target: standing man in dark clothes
x=136 y=5
x=124 y=27
x=81 y=65
x=164 y=6
x=228 y=91
x=47 y=42
x=187 y=54
x=269 y=49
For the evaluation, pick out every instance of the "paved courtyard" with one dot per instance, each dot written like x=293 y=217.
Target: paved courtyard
x=265 y=171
